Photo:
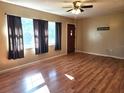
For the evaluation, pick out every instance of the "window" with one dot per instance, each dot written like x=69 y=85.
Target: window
x=51 y=33
x=28 y=33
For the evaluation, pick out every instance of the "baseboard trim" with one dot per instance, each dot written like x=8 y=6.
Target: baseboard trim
x=100 y=54
x=34 y=62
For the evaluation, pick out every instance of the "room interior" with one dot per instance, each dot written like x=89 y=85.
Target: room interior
x=91 y=57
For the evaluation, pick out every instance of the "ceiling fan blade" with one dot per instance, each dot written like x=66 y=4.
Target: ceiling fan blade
x=69 y=10
x=87 y=6
x=67 y=7
x=81 y=10
x=88 y=1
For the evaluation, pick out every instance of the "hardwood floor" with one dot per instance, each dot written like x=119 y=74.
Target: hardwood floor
x=75 y=73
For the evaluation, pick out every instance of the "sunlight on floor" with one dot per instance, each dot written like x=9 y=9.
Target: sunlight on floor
x=69 y=77
x=52 y=75
x=43 y=89
x=36 y=84
x=34 y=81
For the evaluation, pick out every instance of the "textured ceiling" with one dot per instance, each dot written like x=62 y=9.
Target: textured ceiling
x=101 y=7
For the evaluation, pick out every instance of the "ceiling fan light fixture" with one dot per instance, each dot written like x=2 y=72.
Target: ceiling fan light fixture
x=76 y=11
x=78 y=8
x=78 y=4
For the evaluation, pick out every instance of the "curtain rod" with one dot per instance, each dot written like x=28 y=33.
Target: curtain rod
x=5 y=14
x=10 y=14
x=25 y=17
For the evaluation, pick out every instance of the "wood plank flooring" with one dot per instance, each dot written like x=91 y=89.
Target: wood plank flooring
x=74 y=73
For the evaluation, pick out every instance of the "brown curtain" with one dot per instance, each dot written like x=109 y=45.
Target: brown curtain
x=41 y=36
x=15 y=36
x=58 y=36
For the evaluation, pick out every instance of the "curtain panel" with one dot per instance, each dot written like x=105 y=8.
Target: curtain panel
x=41 y=36
x=15 y=37
x=58 y=36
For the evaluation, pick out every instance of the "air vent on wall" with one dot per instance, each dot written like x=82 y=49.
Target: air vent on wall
x=103 y=28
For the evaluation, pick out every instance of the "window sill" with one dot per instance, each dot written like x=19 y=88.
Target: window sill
x=28 y=48
x=51 y=45
x=34 y=48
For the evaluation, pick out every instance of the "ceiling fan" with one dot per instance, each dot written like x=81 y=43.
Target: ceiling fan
x=78 y=7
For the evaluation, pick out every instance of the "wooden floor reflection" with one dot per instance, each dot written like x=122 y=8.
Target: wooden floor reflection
x=74 y=73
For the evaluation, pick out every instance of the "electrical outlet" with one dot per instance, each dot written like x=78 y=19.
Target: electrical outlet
x=110 y=50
